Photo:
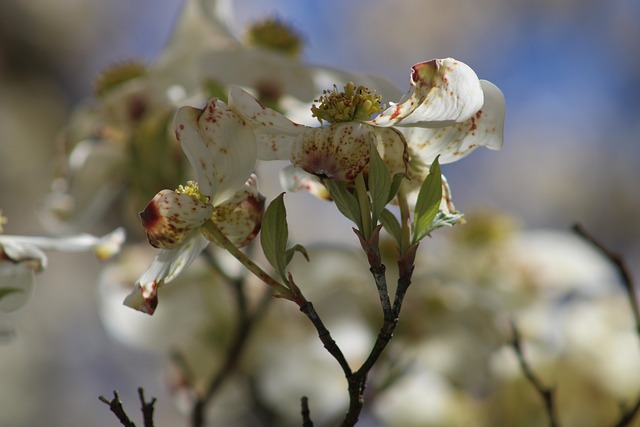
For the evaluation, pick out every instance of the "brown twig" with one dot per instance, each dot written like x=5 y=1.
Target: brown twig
x=627 y=281
x=621 y=267
x=246 y=324
x=305 y=412
x=115 y=405
x=546 y=393
x=147 y=408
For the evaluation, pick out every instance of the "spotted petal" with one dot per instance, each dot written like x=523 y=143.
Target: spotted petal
x=452 y=143
x=443 y=92
x=171 y=217
x=220 y=147
x=274 y=132
x=166 y=266
x=339 y=151
x=240 y=217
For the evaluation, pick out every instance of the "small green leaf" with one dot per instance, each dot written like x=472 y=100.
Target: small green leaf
x=345 y=201
x=395 y=186
x=274 y=235
x=428 y=202
x=379 y=184
x=443 y=219
x=391 y=224
x=294 y=249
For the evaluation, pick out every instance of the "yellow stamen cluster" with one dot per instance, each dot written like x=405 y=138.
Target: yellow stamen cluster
x=118 y=74
x=273 y=34
x=355 y=103
x=191 y=189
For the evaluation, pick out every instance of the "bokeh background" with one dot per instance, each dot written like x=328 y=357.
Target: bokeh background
x=569 y=69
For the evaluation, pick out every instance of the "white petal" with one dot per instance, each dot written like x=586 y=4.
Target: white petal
x=16 y=285
x=339 y=151
x=240 y=217
x=443 y=91
x=274 y=132
x=170 y=217
x=484 y=129
x=295 y=179
x=166 y=266
x=220 y=146
x=104 y=247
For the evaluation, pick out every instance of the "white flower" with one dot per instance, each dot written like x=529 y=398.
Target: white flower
x=448 y=112
x=21 y=257
x=222 y=151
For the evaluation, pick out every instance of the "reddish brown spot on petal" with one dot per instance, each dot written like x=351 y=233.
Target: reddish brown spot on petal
x=150 y=216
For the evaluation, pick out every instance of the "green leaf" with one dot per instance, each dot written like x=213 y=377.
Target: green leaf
x=391 y=224
x=379 y=184
x=395 y=186
x=443 y=219
x=297 y=248
x=345 y=201
x=274 y=235
x=428 y=202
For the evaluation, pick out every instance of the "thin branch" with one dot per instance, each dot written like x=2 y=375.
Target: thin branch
x=146 y=408
x=546 y=393
x=115 y=405
x=629 y=285
x=323 y=333
x=246 y=324
x=623 y=271
x=371 y=248
x=305 y=412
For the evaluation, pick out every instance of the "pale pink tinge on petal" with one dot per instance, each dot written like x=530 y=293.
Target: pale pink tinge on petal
x=171 y=217
x=339 y=151
x=443 y=92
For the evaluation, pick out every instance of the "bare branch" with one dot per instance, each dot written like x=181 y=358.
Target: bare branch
x=115 y=405
x=546 y=393
x=627 y=281
x=306 y=414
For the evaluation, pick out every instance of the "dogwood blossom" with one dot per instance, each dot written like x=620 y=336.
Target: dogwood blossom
x=21 y=257
x=448 y=112
x=222 y=151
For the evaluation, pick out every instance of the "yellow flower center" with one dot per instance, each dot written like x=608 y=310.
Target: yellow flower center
x=355 y=103
x=271 y=33
x=191 y=189
x=118 y=74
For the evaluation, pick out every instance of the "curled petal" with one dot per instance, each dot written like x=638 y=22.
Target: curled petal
x=452 y=143
x=443 y=92
x=219 y=145
x=295 y=179
x=171 y=217
x=274 y=132
x=163 y=269
x=339 y=151
x=240 y=217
